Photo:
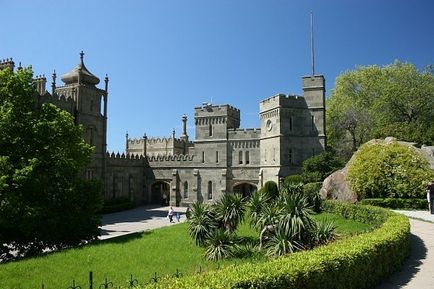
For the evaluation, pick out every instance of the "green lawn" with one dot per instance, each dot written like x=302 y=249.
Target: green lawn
x=163 y=251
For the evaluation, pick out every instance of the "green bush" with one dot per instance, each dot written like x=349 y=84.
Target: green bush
x=319 y=167
x=396 y=203
x=311 y=191
x=360 y=261
x=293 y=179
x=271 y=190
x=389 y=170
x=117 y=205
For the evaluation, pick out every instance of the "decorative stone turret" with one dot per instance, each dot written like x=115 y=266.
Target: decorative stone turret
x=5 y=63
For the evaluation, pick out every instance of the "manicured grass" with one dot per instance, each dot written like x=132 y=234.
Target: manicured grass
x=162 y=251
x=344 y=226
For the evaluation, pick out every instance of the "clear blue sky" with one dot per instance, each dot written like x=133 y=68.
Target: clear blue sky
x=165 y=57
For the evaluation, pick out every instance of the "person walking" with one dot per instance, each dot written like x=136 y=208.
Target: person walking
x=170 y=215
x=430 y=196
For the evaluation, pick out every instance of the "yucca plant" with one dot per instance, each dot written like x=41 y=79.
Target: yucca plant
x=297 y=214
x=230 y=211
x=324 y=232
x=201 y=223
x=257 y=202
x=282 y=242
x=219 y=245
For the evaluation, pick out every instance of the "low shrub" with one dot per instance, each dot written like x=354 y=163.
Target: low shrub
x=293 y=180
x=360 y=261
x=392 y=203
x=117 y=205
x=311 y=191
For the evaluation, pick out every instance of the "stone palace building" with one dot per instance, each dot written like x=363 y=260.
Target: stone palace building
x=223 y=158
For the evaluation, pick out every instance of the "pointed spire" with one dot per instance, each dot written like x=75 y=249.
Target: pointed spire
x=312 y=49
x=53 y=83
x=106 y=81
x=81 y=57
x=173 y=133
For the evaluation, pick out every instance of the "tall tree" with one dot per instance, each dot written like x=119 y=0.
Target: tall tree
x=44 y=201
x=372 y=101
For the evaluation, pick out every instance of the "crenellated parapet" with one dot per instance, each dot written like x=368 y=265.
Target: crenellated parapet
x=40 y=81
x=244 y=144
x=61 y=101
x=7 y=63
x=171 y=158
x=123 y=159
x=247 y=133
x=268 y=107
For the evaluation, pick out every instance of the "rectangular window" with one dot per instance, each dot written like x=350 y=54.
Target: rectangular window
x=210 y=130
x=312 y=122
x=240 y=157
x=209 y=190
x=217 y=157
x=291 y=157
x=247 y=157
x=90 y=174
x=290 y=123
x=203 y=157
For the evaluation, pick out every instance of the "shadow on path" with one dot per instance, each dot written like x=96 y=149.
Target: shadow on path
x=410 y=267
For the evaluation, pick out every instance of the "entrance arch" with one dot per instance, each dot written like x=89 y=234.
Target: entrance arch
x=160 y=193
x=245 y=189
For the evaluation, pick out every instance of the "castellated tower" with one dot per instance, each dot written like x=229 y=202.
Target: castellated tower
x=292 y=129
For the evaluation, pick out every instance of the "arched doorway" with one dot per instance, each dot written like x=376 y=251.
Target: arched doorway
x=160 y=193
x=245 y=189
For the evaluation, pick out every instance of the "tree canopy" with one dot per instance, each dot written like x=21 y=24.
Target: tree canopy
x=44 y=201
x=375 y=102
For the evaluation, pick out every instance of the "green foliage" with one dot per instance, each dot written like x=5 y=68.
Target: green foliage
x=42 y=157
x=391 y=170
x=270 y=190
x=293 y=180
x=282 y=242
x=360 y=261
x=219 y=245
x=201 y=223
x=397 y=203
x=255 y=205
x=117 y=205
x=230 y=211
x=376 y=102
x=319 y=167
x=311 y=192
x=324 y=232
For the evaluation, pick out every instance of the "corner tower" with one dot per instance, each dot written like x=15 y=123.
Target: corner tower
x=90 y=111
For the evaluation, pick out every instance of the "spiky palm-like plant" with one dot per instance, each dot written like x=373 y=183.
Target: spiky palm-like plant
x=282 y=242
x=324 y=232
x=230 y=211
x=201 y=223
x=219 y=245
x=257 y=202
x=297 y=214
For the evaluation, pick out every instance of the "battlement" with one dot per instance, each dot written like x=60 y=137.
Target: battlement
x=125 y=159
x=246 y=133
x=7 y=63
x=282 y=100
x=223 y=108
x=171 y=158
x=40 y=82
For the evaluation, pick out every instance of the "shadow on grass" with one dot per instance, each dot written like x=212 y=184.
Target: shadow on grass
x=410 y=267
x=123 y=238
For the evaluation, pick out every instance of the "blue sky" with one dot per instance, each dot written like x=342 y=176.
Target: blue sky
x=166 y=57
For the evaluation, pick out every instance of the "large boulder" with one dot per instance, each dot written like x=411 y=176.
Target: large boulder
x=336 y=186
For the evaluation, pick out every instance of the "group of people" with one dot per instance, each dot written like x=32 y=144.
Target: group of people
x=171 y=214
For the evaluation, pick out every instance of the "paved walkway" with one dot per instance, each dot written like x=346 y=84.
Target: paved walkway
x=137 y=220
x=418 y=271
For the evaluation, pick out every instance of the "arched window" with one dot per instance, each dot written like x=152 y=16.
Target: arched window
x=247 y=157
x=240 y=157
x=209 y=190
x=210 y=130
x=185 y=190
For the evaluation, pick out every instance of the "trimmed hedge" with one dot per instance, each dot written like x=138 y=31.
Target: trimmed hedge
x=392 y=203
x=360 y=261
